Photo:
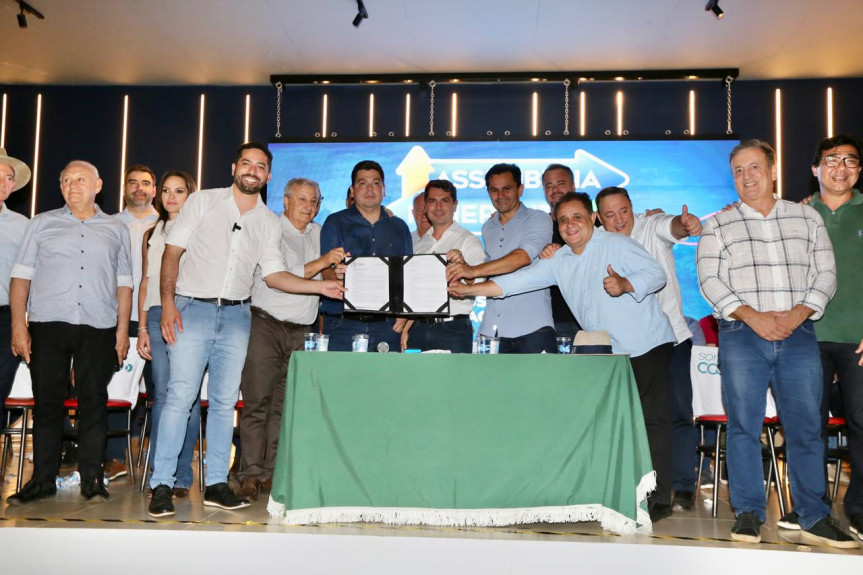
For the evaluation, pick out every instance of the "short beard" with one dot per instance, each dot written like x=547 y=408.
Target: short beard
x=247 y=191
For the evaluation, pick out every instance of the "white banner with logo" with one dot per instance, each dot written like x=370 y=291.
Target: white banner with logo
x=707 y=383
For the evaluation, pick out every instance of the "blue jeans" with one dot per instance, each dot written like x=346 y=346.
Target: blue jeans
x=216 y=336
x=161 y=373
x=342 y=328
x=792 y=367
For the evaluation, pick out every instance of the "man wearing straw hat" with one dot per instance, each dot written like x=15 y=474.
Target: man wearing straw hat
x=14 y=175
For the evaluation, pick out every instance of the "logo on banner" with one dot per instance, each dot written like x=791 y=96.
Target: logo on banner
x=417 y=168
x=708 y=363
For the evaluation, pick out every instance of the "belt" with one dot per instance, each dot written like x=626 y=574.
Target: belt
x=365 y=317
x=442 y=319
x=4 y=308
x=218 y=300
x=262 y=314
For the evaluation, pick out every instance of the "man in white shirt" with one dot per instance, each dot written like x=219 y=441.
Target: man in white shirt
x=139 y=189
x=454 y=332
x=14 y=175
x=419 y=214
x=279 y=321
x=658 y=234
x=225 y=235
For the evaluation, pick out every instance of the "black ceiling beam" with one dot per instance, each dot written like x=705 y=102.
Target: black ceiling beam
x=575 y=76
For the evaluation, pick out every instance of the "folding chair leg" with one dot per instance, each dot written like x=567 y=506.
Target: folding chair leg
x=201 y=454
x=717 y=468
x=24 y=419
x=129 y=456
x=774 y=466
x=143 y=437
x=145 y=471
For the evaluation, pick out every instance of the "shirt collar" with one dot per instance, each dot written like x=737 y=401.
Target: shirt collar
x=99 y=213
x=288 y=225
x=856 y=198
x=152 y=216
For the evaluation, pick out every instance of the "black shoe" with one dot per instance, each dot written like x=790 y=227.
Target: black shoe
x=683 y=501
x=827 y=531
x=789 y=521
x=221 y=495
x=33 y=490
x=94 y=489
x=659 y=511
x=161 y=502
x=855 y=524
x=747 y=528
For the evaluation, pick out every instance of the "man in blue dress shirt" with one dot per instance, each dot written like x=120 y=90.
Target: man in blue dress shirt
x=14 y=175
x=513 y=237
x=363 y=229
x=609 y=282
x=74 y=265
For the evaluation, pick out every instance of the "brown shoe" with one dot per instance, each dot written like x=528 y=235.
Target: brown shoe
x=250 y=489
x=115 y=469
x=267 y=485
x=180 y=492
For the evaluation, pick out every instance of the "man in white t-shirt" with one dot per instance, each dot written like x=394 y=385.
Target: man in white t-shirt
x=454 y=332
x=658 y=234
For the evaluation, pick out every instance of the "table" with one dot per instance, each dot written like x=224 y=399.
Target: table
x=451 y=439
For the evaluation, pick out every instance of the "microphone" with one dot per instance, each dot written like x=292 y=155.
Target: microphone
x=383 y=347
x=236 y=227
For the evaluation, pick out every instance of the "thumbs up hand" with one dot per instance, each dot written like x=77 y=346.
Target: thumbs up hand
x=690 y=222
x=615 y=284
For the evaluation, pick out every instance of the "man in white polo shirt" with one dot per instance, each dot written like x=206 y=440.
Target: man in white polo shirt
x=225 y=234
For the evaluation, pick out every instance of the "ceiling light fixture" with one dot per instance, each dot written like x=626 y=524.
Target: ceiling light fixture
x=27 y=9
x=362 y=14
x=713 y=6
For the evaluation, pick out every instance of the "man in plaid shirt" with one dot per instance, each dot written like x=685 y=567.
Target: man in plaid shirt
x=767 y=269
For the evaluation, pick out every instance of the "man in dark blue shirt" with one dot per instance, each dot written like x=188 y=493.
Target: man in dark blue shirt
x=364 y=229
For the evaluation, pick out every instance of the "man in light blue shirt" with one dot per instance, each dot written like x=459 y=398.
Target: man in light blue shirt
x=14 y=175
x=74 y=266
x=513 y=237
x=609 y=282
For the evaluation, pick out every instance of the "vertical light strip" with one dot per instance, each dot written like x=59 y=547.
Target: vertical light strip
x=620 y=112
x=123 y=149
x=3 y=125
x=248 y=115
x=371 y=115
x=582 y=113
x=534 y=114
x=35 y=179
x=692 y=112
x=454 y=115
x=324 y=118
x=201 y=144
x=829 y=112
x=407 y=115
x=778 y=142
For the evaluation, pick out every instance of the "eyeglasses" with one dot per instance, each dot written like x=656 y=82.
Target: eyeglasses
x=834 y=161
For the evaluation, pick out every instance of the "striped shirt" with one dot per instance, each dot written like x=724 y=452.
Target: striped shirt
x=770 y=263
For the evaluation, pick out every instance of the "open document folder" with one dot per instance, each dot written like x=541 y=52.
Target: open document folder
x=398 y=285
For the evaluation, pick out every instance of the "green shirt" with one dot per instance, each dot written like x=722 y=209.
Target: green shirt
x=843 y=318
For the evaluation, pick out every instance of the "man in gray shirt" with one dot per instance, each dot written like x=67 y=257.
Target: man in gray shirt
x=74 y=265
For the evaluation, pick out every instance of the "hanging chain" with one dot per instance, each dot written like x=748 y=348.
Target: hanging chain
x=566 y=107
x=728 y=80
x=278 y=110
x=431 y=108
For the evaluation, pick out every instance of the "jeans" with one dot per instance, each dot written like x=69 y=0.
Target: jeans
x=792 y=367
x=216 y=336
x=161 y=373
x=342 y=329
x=543 y=339
x=684 y=434
x=455 y=335
x=840 y=359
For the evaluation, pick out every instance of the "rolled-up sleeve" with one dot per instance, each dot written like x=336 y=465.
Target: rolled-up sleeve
x=188 y=219
x=25 y=260
x=124 y=260
x=272 y=260
x=822 y=268
x=709 y=265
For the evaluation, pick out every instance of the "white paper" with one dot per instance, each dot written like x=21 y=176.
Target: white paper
x=368 y=284
x=425 y=284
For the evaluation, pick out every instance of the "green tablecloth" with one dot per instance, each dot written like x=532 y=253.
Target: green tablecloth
x=440 y=439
